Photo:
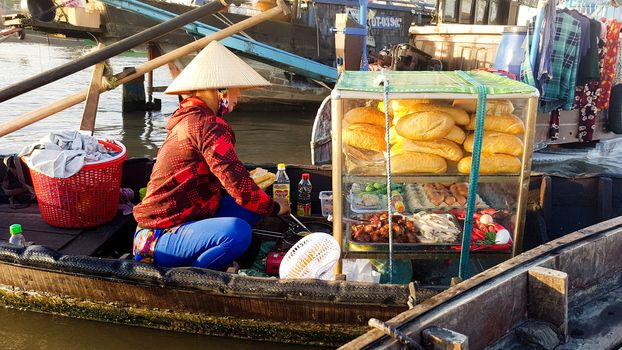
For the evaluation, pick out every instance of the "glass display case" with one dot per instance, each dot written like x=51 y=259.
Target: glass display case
x=431 y=121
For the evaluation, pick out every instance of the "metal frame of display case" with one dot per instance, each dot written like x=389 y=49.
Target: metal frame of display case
x=337 y=103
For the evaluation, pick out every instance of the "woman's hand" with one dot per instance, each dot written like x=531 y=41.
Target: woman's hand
x=283 y=205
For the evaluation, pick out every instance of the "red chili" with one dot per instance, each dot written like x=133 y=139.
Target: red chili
x=477 y=234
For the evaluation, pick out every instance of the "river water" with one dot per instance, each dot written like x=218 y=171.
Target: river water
x=261 y=137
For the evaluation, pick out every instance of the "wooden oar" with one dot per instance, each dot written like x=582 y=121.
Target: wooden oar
x=121 y=78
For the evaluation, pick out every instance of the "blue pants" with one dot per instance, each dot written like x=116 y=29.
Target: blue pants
x=210 y=243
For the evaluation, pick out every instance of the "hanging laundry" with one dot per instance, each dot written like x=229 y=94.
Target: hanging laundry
x=607 y=74
x=554 y=124
x=589 y=65
x=618 y=77
x=559 y=90
x=543 y=61
x=585 y=102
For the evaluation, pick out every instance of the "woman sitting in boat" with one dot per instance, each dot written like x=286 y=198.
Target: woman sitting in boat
x=183 y=219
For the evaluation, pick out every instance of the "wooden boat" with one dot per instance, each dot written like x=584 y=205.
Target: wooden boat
x=79 y=273
x=564 y=295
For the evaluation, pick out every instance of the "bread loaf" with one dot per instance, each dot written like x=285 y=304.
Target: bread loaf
x=399 y=108
x=456 y=134
x=460 y=116
x=394 y=137
x=444 y=148
x=425 y=126
x=491 y=164
x=507 y=123
x=365 y=115
x=497 y=142
x=415 y=162
x=365 y=136
x=262 y=177
x=494 y=107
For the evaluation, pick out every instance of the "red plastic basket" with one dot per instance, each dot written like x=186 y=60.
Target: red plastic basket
x=86 y=199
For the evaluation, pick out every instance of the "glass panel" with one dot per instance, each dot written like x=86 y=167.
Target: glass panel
x=428 y=199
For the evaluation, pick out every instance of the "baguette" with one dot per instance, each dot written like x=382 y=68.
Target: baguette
x=425 y=126
x=365 y=136
x=506 y=123
x=415 y=162
x=456 y=134
x=444 y=148
x=497 y=142
x=491 y=164
x=495 y=107
x=459 y=115
x=365 y=115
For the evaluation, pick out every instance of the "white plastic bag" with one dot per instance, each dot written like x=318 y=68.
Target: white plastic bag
x=360 y=270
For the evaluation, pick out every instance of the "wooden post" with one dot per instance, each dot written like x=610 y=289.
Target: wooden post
x=92 y=97
x=437 y=338
x=546 y=200
x=548 y=298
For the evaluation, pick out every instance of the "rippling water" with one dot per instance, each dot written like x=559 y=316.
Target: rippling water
x=261 y=136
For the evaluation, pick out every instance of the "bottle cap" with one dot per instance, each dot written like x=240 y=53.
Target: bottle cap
x=15 y=229
x=142 y=193
x=281 y=166
x=305 y=176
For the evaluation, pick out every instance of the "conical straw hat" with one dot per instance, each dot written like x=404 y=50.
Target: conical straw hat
x=215 y=67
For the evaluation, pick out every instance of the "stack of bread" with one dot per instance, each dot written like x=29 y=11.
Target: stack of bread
x=427 y=134
x=501 y=144
x=364 y=139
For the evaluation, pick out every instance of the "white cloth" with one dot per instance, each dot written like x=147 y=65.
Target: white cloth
x=62 y=154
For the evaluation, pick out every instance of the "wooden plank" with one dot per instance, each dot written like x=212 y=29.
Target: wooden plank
x=91 y=240
x=548 y=297
x=438 y=338
x=92 y=97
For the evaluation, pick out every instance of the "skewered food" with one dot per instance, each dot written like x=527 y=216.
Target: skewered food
x=377 y=229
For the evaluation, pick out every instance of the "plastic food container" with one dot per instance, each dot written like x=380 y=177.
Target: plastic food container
x=326 y=198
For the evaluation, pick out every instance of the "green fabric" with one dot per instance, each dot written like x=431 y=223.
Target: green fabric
x=258 y=268
x=430 y=82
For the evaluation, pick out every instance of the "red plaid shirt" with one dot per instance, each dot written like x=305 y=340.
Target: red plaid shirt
x=196 y=159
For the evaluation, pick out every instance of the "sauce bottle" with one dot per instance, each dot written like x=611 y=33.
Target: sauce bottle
x=280 y=188
x=304 y=196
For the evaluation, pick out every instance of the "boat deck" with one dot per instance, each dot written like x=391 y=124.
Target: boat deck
x=66 y=241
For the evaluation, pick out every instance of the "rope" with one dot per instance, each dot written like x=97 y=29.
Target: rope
x=474 y=176
x=391 y=331
x=387 y=121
